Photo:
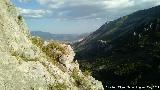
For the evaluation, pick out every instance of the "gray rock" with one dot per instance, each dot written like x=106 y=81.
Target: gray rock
x=24 y=66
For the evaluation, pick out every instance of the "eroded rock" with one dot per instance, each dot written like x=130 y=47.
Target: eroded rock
x=26 y=66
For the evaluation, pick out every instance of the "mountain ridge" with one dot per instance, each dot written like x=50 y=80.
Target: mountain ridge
x=124 y=51
x=109 y=30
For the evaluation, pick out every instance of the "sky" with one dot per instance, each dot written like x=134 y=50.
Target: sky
x=76 y=16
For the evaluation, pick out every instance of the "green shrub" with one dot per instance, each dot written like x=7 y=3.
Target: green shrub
x=20 y=18
x=53 y=49
x=57 y=87
x=50 y=50
x=37 y=41
x=56 y=45
x=78 y=80
x=87 y=72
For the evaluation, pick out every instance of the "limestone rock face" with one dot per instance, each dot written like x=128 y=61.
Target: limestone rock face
x=26 y=66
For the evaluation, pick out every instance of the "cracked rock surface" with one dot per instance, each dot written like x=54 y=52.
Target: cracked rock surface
x=25 y=66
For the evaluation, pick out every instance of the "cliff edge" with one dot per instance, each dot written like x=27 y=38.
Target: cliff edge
x=29 y=63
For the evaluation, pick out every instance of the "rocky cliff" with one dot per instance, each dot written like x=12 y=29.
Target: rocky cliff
x=29 y=63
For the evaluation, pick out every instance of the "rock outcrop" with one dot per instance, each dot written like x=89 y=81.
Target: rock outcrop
x=26 y=63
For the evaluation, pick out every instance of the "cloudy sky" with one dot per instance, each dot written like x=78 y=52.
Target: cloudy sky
x=76 y=16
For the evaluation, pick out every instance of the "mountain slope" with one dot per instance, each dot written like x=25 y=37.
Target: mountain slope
x=124 y=51
x=118 y=30
x=29 y=63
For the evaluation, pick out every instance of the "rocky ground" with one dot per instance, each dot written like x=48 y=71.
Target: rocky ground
x=28 y=64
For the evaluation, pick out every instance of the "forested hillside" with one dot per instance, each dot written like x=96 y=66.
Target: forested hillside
x=125 y=51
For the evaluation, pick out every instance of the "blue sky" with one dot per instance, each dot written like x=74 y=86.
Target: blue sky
x=76 y=16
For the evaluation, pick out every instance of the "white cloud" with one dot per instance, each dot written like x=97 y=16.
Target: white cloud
x=43 y=1
x=107 y=3
x=119 y=3
x=24 y=1
x=33 y=13
x=88 y=9
x=157 y=2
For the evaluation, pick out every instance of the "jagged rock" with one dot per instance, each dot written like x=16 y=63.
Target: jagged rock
x=25 y=66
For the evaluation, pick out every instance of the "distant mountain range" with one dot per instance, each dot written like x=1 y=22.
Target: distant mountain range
x=125 y=51
x=59 y=37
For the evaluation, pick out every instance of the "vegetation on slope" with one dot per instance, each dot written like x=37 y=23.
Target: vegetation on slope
x=125 y=51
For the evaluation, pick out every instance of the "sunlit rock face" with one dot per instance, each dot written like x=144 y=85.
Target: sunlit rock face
x=25 y=66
